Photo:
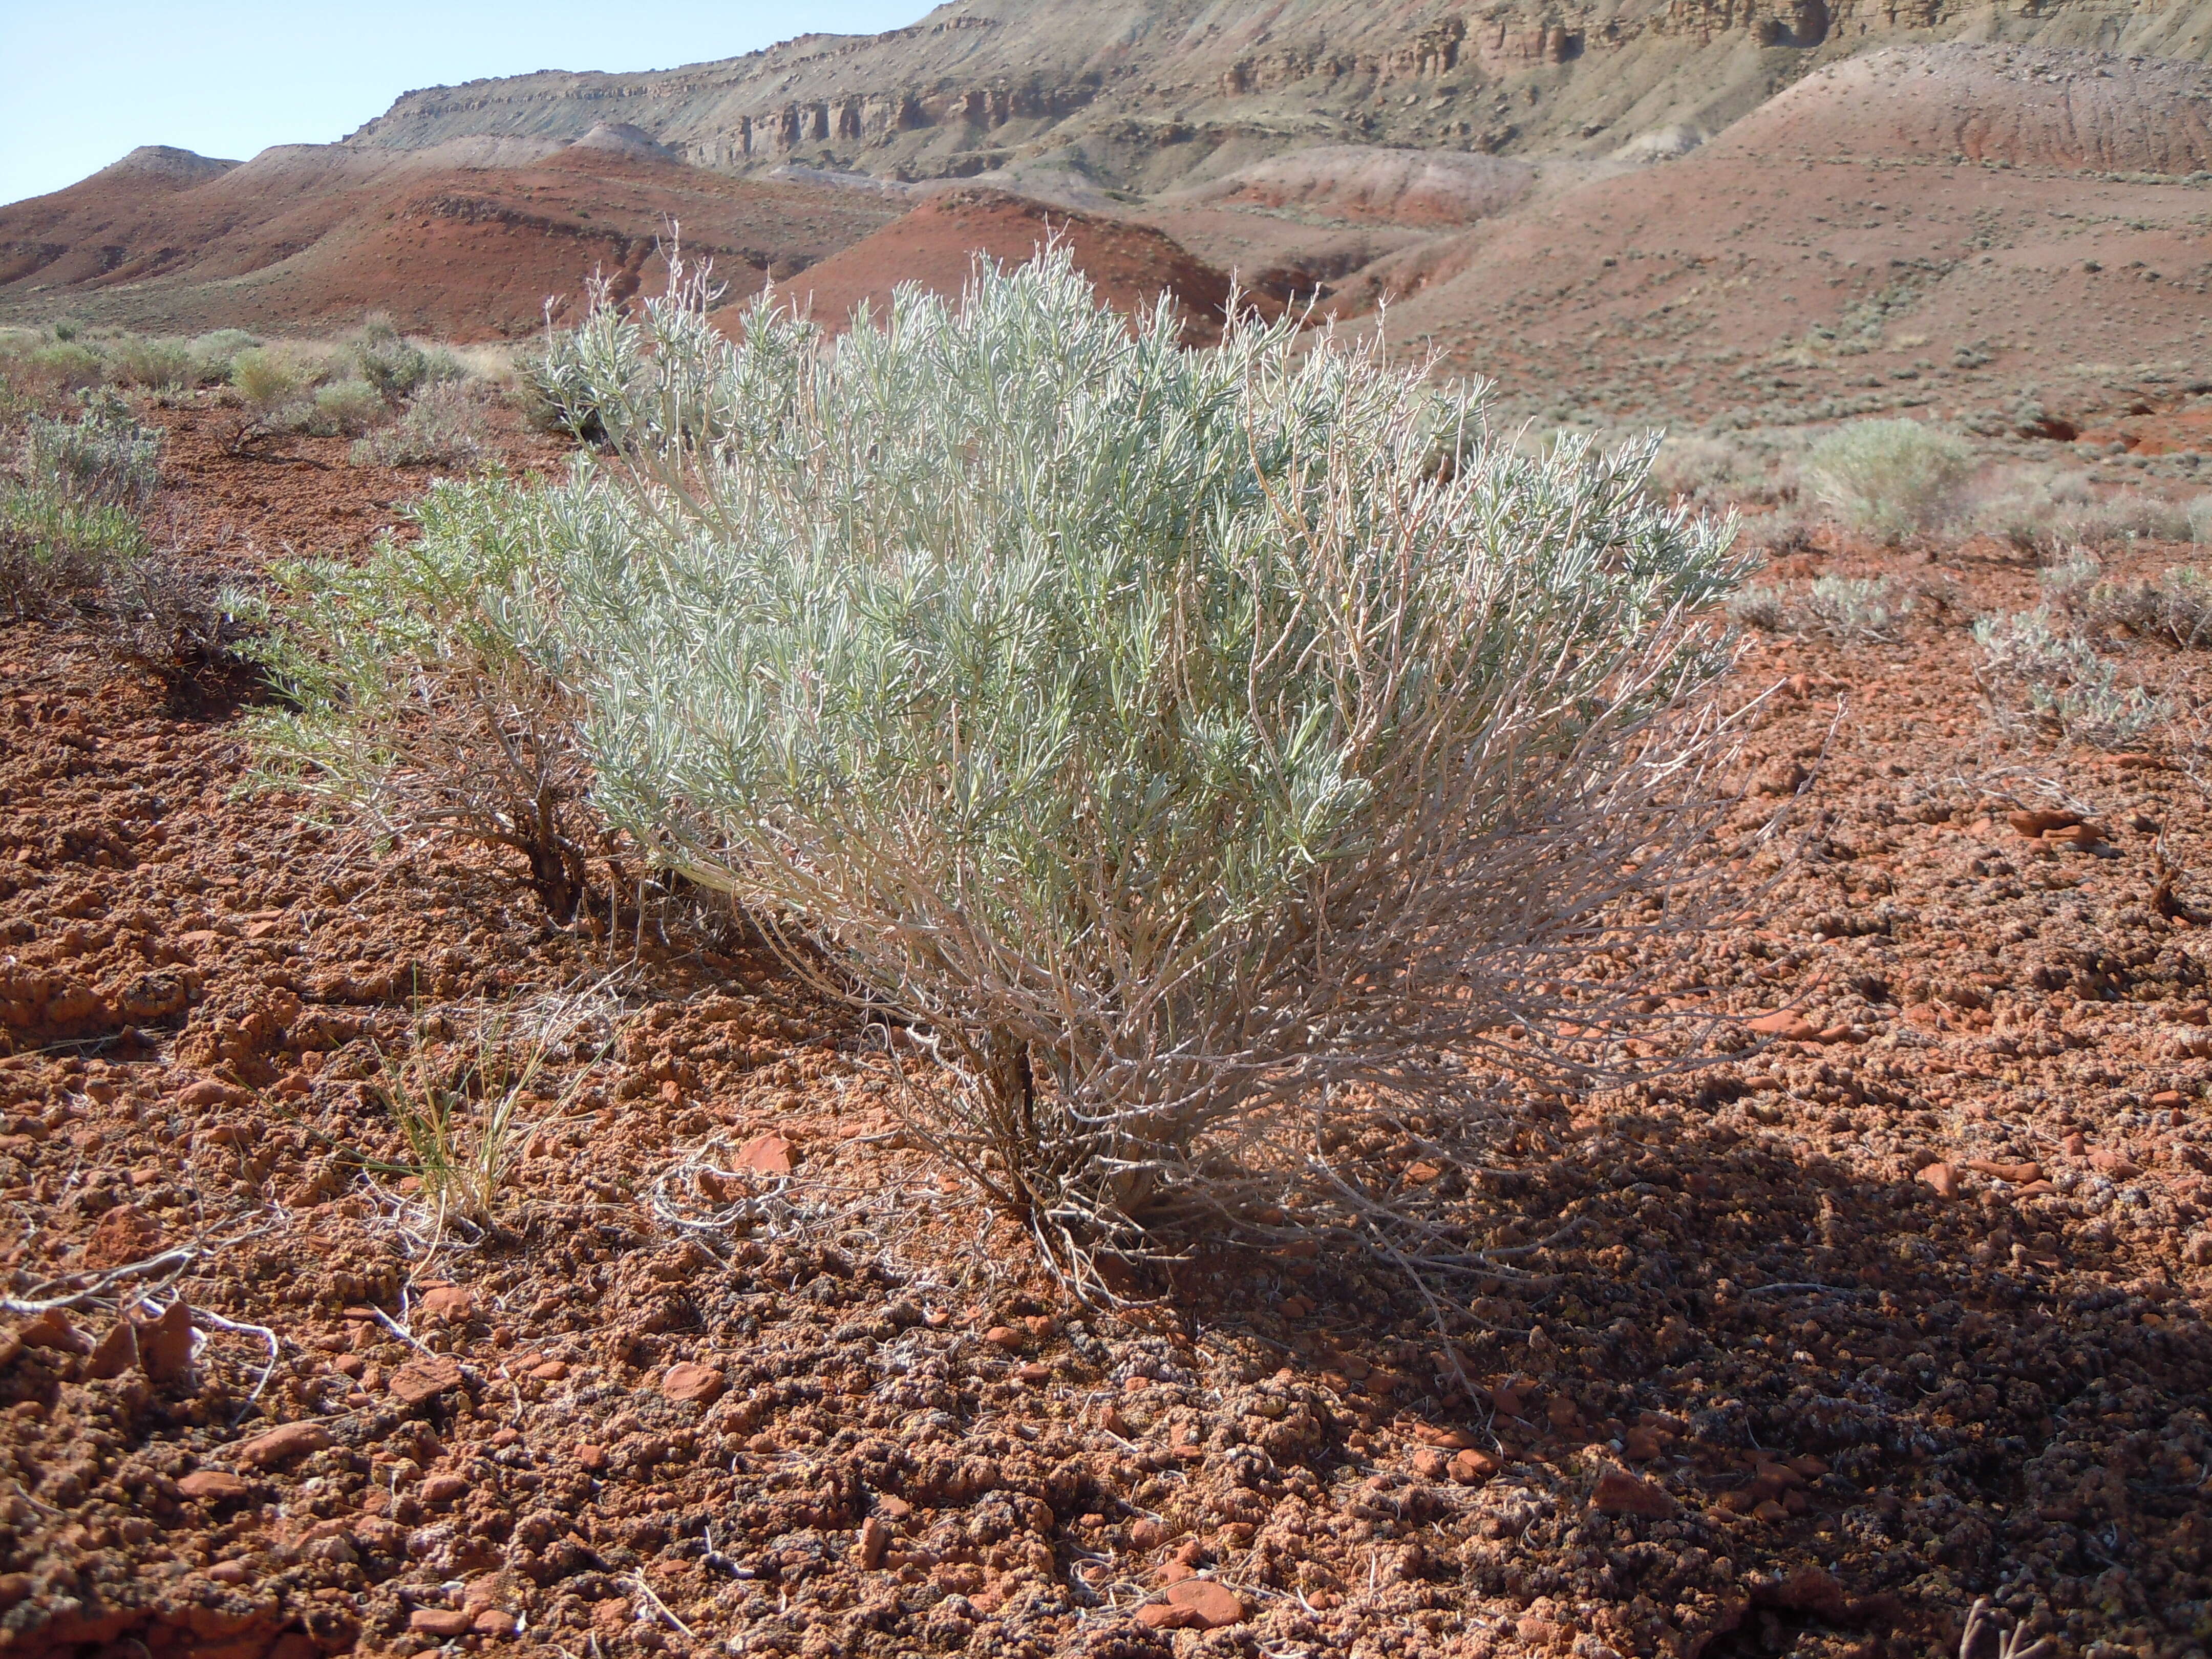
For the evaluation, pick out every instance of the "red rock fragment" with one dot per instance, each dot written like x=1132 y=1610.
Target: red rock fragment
x=451 y=1303
x=2119 y=1165
x=1215 y=1604
x=445 y=1488
x=1471 y=1467
x=2043 y=821
x=766 y=1155
x=1162 y=1615
x=212 y=1486
x=1941 y=1177
x=423 y=1378
x=2019 y=1174
x=282 y=1445
x=699 y=1385
x=1641 y=1445
x=551 y=1371
x=51 y=1329
x=1620 y=1493
x=1785 y=1025
x=1450 y=1439
x=444 y=1624
x=1002 y=1336
x=874 y=1537
x=494 y=1622
x=165 y=1346
x=117 y=1353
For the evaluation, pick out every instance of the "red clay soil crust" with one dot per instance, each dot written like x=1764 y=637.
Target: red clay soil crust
x=1902 y=1305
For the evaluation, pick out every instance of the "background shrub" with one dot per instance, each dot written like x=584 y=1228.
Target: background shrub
x=442 y=425
x=1889 y=478
x=102 y=458
x=345 y=409
x=2044 y=676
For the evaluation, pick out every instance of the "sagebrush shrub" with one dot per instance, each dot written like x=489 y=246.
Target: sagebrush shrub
x=165 y=366
x=345 y=409
x=1178 y=736
x=393 y=365
x=442 y=425
x=102 y=458
x=2040 y=675
x=1889 y=477
x=1184 y=745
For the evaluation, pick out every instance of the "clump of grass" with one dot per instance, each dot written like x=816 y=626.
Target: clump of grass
x=1890 y=479
x=442 y=425
x=2039 y=676
x=465 y=1106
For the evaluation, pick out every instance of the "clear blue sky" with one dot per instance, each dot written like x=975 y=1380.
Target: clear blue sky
x=83 y=82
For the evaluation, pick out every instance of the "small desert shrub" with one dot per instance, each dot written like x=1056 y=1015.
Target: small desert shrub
x=2068 y=582
x=421 y=695
x=160 y=366
x=2041 y=675
x=55 y=551
x=2128 y=515
x=1889 y=478
x=102 y=458
x=266 y=381
x=2200 y=520
x=214 y=354
x=393 y=365
x=442 y=425
x=345 y=409
x=1853 y=608
x=1766 y=609
x=2177 y=608
x=577 y=374
x=1176 y=738
x=1844 y=608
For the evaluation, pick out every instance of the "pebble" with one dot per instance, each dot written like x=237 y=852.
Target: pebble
x=1941 y=1177
x=444 y=1488
x=284 y=1444
x=1620 y=1493
x=444 y=1623
x=551 y=1371
x=2019 y=1174
x=874 y=1537
x=212 y=1486
x=165 y=1346
x=494 y=1622
x=693 y=1383
x=51 y=1329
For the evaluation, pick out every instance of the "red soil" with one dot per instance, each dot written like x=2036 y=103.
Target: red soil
x=302 y=240
x=937 y=244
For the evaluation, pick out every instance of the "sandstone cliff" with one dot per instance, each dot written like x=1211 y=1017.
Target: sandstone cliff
x=1145 y=95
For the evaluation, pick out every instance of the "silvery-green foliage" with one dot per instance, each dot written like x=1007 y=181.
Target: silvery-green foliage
x=1174 y=735
x=103 y=459
x=422 y=691
x=1855 y=608
x=1889 y=477
x=2051 y=677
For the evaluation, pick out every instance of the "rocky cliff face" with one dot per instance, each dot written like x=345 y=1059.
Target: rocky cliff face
x=1147 y=94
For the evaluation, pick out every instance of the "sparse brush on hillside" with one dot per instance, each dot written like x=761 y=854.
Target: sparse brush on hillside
x=1890 y=479
x=425 y=693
